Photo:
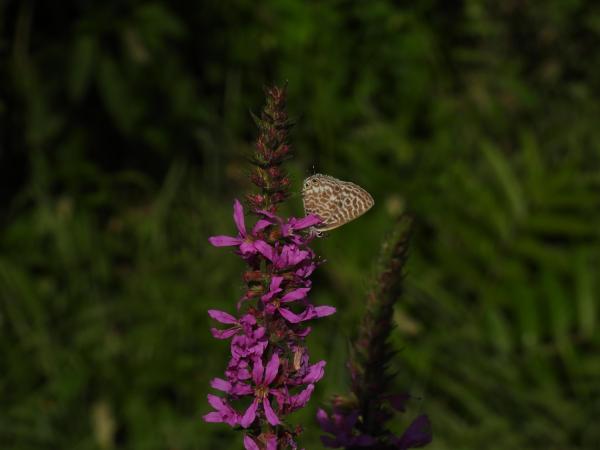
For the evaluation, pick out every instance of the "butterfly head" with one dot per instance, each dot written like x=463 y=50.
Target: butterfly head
x=314 y=183
x=310 y=182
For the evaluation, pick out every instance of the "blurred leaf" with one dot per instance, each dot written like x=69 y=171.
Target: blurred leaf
x=558 y=307
x=587 y=308
x=507 y=179
x=116 y=95
x=82 y=66
x=499 y=331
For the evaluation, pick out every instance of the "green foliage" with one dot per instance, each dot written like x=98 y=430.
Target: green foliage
x=124 y=130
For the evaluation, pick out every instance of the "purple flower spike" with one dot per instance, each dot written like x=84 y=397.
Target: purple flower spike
x=269 y=374
x=287 y=264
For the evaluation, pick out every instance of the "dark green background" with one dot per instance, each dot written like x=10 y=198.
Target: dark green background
x=124 y=127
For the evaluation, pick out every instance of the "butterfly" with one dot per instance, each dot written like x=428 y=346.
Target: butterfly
x=334 y=201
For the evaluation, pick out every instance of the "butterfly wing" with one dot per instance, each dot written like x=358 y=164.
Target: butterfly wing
x=353 y=202
x=336 y=202
x=322 y=200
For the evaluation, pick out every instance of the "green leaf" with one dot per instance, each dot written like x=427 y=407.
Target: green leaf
x=498 y=330
x=587 y=308
x=560 y=309
x=115 y=91
x=82 y=66
x=507 y=180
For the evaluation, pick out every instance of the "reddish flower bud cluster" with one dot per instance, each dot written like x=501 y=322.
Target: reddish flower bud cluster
x=271 y=150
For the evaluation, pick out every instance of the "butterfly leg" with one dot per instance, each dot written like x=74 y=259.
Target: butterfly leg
x=313 y=232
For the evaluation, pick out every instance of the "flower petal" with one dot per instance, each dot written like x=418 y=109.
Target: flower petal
x=250 y=414
x=224 y=241
x=247 y=248
x=306 y=271
x=264 y=249
x=273 y=289
x=222 y=316
x=286 y=229
x=270 y=309
x=259 y=332
x=291 y=255
x=268 y=214
x=305 y=222
x=304 y=333
x=238 y=217
x=269 y=413
x=271 y=442
x=315 y=373
x=243 y=374
x=249 y=443
x=347 y=420
x=296 y=294
x=216 y=402
x=281 y=395
x=323 y=311
x=290 y=316
x=213 y=417
x=258 y=371
x=272 y=368
x=233 y=419
x=220 y=384
x=224 y=334
x=325 y=422
x=261 y=225
x=248 y=319
x=275 y=283
x=417 y=434
x=241 y=389
x=301 y=399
